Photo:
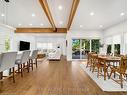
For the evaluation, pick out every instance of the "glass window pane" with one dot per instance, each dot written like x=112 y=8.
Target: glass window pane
x=95 y=44
x=85 y=48
x=75 y=48
x=116 y=49
x=109 y=49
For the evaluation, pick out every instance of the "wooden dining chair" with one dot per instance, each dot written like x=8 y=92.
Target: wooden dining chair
x=100 y=66
x=89 y=59
x=121 y=70
x=94 y=62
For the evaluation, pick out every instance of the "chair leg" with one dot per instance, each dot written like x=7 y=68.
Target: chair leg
x=1 y=75
x=10 y=71
x=114 y=74
x=98 y=73
x=93 y=69
x=36 y=62
x=28 y=66
x=13 y=74
x=32 y=64
x=87 y=64
x=23 y=65
x=21 y=70
x=18 y=68
x=121 y=81
x=111 y=74
x=91 y=66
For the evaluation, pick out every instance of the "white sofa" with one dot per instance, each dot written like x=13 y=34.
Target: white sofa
x=54 y=55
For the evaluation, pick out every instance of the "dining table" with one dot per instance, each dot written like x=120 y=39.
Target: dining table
x=107 y=60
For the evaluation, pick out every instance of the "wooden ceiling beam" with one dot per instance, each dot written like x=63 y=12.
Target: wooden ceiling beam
x=72 y=13
x=47 y=11
x=40 y=30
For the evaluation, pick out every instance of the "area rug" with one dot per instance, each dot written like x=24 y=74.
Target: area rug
x=109 y=85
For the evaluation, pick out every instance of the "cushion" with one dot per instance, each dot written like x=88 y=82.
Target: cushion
x=18 y=61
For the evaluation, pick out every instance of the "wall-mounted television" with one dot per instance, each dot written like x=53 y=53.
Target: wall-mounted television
x=23 y=45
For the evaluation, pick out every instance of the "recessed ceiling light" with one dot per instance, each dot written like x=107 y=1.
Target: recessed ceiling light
x=81 y=26
x=61 y=22
x=2 y=15
x=30 y=24
x=33 y=15
x=41 y=24
x=19 y=24
x=101 y=26
x=122 y=14
x=92 y=13
x=60 y=7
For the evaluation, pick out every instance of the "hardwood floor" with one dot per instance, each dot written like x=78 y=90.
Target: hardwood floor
x=53 y=78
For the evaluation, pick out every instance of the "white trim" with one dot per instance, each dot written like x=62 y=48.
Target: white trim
x=7 y=26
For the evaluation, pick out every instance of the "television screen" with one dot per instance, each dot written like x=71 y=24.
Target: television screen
x=24 y=45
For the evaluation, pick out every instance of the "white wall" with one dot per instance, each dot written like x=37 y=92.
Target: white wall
x=5 y=33
x=33 y=38
x=80 y=34
x=119 y=29
x=23 y=37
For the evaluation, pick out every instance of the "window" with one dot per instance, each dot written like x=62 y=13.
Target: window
x=95 y=45
x=116 y=43
x=113 y=44
x=109 y=49
x=117 y=49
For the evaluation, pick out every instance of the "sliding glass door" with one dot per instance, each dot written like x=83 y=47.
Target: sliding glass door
x=75 y=48
x=85 y=48
x=95 y=45
x=81 y=47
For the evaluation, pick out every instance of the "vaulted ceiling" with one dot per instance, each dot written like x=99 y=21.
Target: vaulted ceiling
x=90 y=14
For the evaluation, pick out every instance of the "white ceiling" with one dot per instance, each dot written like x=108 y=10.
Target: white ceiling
x=20 y=12
x=107 y=13
x=60 y=15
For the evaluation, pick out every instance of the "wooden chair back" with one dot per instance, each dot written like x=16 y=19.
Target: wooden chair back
x=95 y=58
x=123 y=64
x=90 y=57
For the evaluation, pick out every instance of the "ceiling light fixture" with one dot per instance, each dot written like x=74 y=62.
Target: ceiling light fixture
x=122 y=14
x=92 y=13
x=60 y=7
x=33 y=15
x=41 y=24
x=61 y=22
x=30 y=24
x=2 y=15
x=19 y=24
x=101 y=26
x=81 y=26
